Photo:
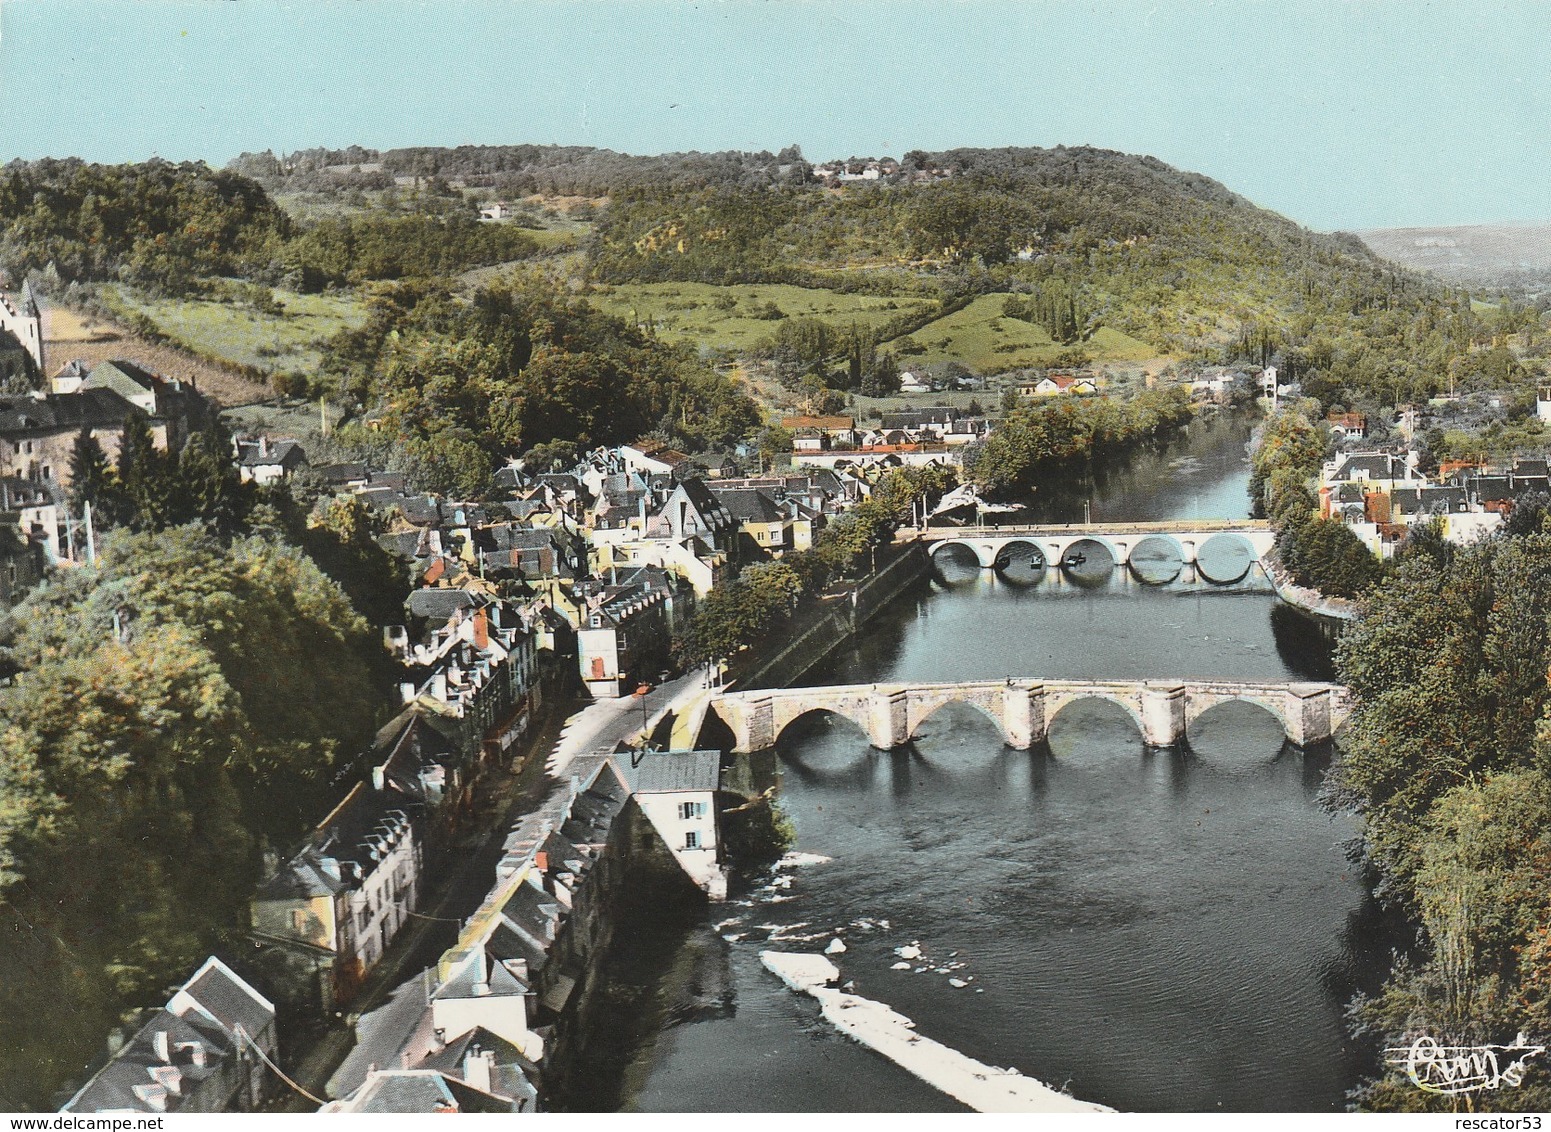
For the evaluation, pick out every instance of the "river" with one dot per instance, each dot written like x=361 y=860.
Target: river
x=1157 y=930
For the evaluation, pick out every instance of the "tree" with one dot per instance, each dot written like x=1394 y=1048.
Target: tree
x=882 y=379
x=91 y=478
x=142 y=472
x=206 y=488
x=176 y=708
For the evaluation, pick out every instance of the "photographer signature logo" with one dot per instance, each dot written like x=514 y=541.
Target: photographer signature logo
x=1452 y=1070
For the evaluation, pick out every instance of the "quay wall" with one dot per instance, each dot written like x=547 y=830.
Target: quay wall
x=821 y=628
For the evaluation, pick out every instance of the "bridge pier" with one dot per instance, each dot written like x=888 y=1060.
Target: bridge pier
x=1310 y=719
x=888 y=719
x=756 y=729
x=1023 y=715
x=1163 y=714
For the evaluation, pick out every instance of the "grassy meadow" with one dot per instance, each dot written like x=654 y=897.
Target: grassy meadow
x=987 y=341
x=725 y=317
x=237 y=333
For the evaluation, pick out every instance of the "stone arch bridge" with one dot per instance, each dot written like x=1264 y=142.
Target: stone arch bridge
x=1184 y=538
x=1022 y=709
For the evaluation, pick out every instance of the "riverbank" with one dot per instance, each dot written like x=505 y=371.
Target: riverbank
x=1340 y=610
x=819 y=630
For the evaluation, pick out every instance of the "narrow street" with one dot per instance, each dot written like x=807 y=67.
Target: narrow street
x=467 y=870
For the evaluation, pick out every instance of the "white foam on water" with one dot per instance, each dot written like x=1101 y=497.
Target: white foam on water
x=801 y=860
x=982 y=1087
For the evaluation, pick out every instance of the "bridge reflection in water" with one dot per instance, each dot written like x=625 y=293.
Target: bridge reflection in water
x=891 y=714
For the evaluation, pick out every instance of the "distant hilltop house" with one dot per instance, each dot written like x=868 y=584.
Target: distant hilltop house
x=1055 y=384
x=820 y=433
x=262 y=461
x=1347 y=426
x=911 y=383
x=497 y=210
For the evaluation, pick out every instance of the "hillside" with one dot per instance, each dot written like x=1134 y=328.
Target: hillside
x=993 y=260
x=1482 y=255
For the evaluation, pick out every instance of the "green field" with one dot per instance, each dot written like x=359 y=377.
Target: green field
x=985 y=340
x=237 y=333
x=712 y=315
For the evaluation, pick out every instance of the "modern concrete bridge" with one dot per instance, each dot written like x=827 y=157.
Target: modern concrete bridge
x=891 y=714
x=1248 y=540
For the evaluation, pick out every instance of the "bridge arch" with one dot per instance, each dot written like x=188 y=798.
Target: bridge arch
x=1058 y=701
x=1225 y=558
x=922 y=710
x=1156 y=559
x=1199 y=704
x=1001 y=556
x=967 y=552
x=857 y=717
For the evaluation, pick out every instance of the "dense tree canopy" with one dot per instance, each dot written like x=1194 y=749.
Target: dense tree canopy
x=1034 y=439
x=1446 y=761
x=177 y=708
x=465 y=386
x=155 y=223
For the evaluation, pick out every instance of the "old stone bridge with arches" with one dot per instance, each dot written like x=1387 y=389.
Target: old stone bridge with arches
x=1241 y=542
x=891 y=714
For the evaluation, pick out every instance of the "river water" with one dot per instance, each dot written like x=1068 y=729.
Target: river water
x=1158 y=930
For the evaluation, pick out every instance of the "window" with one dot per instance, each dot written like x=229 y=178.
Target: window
x=689 y=810
x=298 y=919
x=692 y=840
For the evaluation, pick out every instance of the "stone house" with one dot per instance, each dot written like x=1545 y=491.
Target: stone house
x=336 y=904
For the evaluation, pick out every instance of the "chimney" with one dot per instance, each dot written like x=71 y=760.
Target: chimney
x=476 y=1068
x=161 y=1042
x=169 y=1077
x=541 y=861
x=481 y=629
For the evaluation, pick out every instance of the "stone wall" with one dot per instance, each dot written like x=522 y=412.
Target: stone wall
x=824 y=625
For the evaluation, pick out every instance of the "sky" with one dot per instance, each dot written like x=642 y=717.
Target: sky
x=1340 y=115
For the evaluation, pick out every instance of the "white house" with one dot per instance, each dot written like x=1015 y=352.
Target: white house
x=676 y=790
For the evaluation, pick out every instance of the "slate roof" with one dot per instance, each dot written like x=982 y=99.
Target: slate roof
x=350 y=835
x=125 y=378
x=283 y=453
x=749 y=506
x=228 y=999
x=438 y=603
x=423 y=1090
x=55 y=412
x=202 y=1015
x=1493 y=487
x=671 y=772
x=514 y=1075
x=113 y=1088
x=1377 y=465
x=381 y=1035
